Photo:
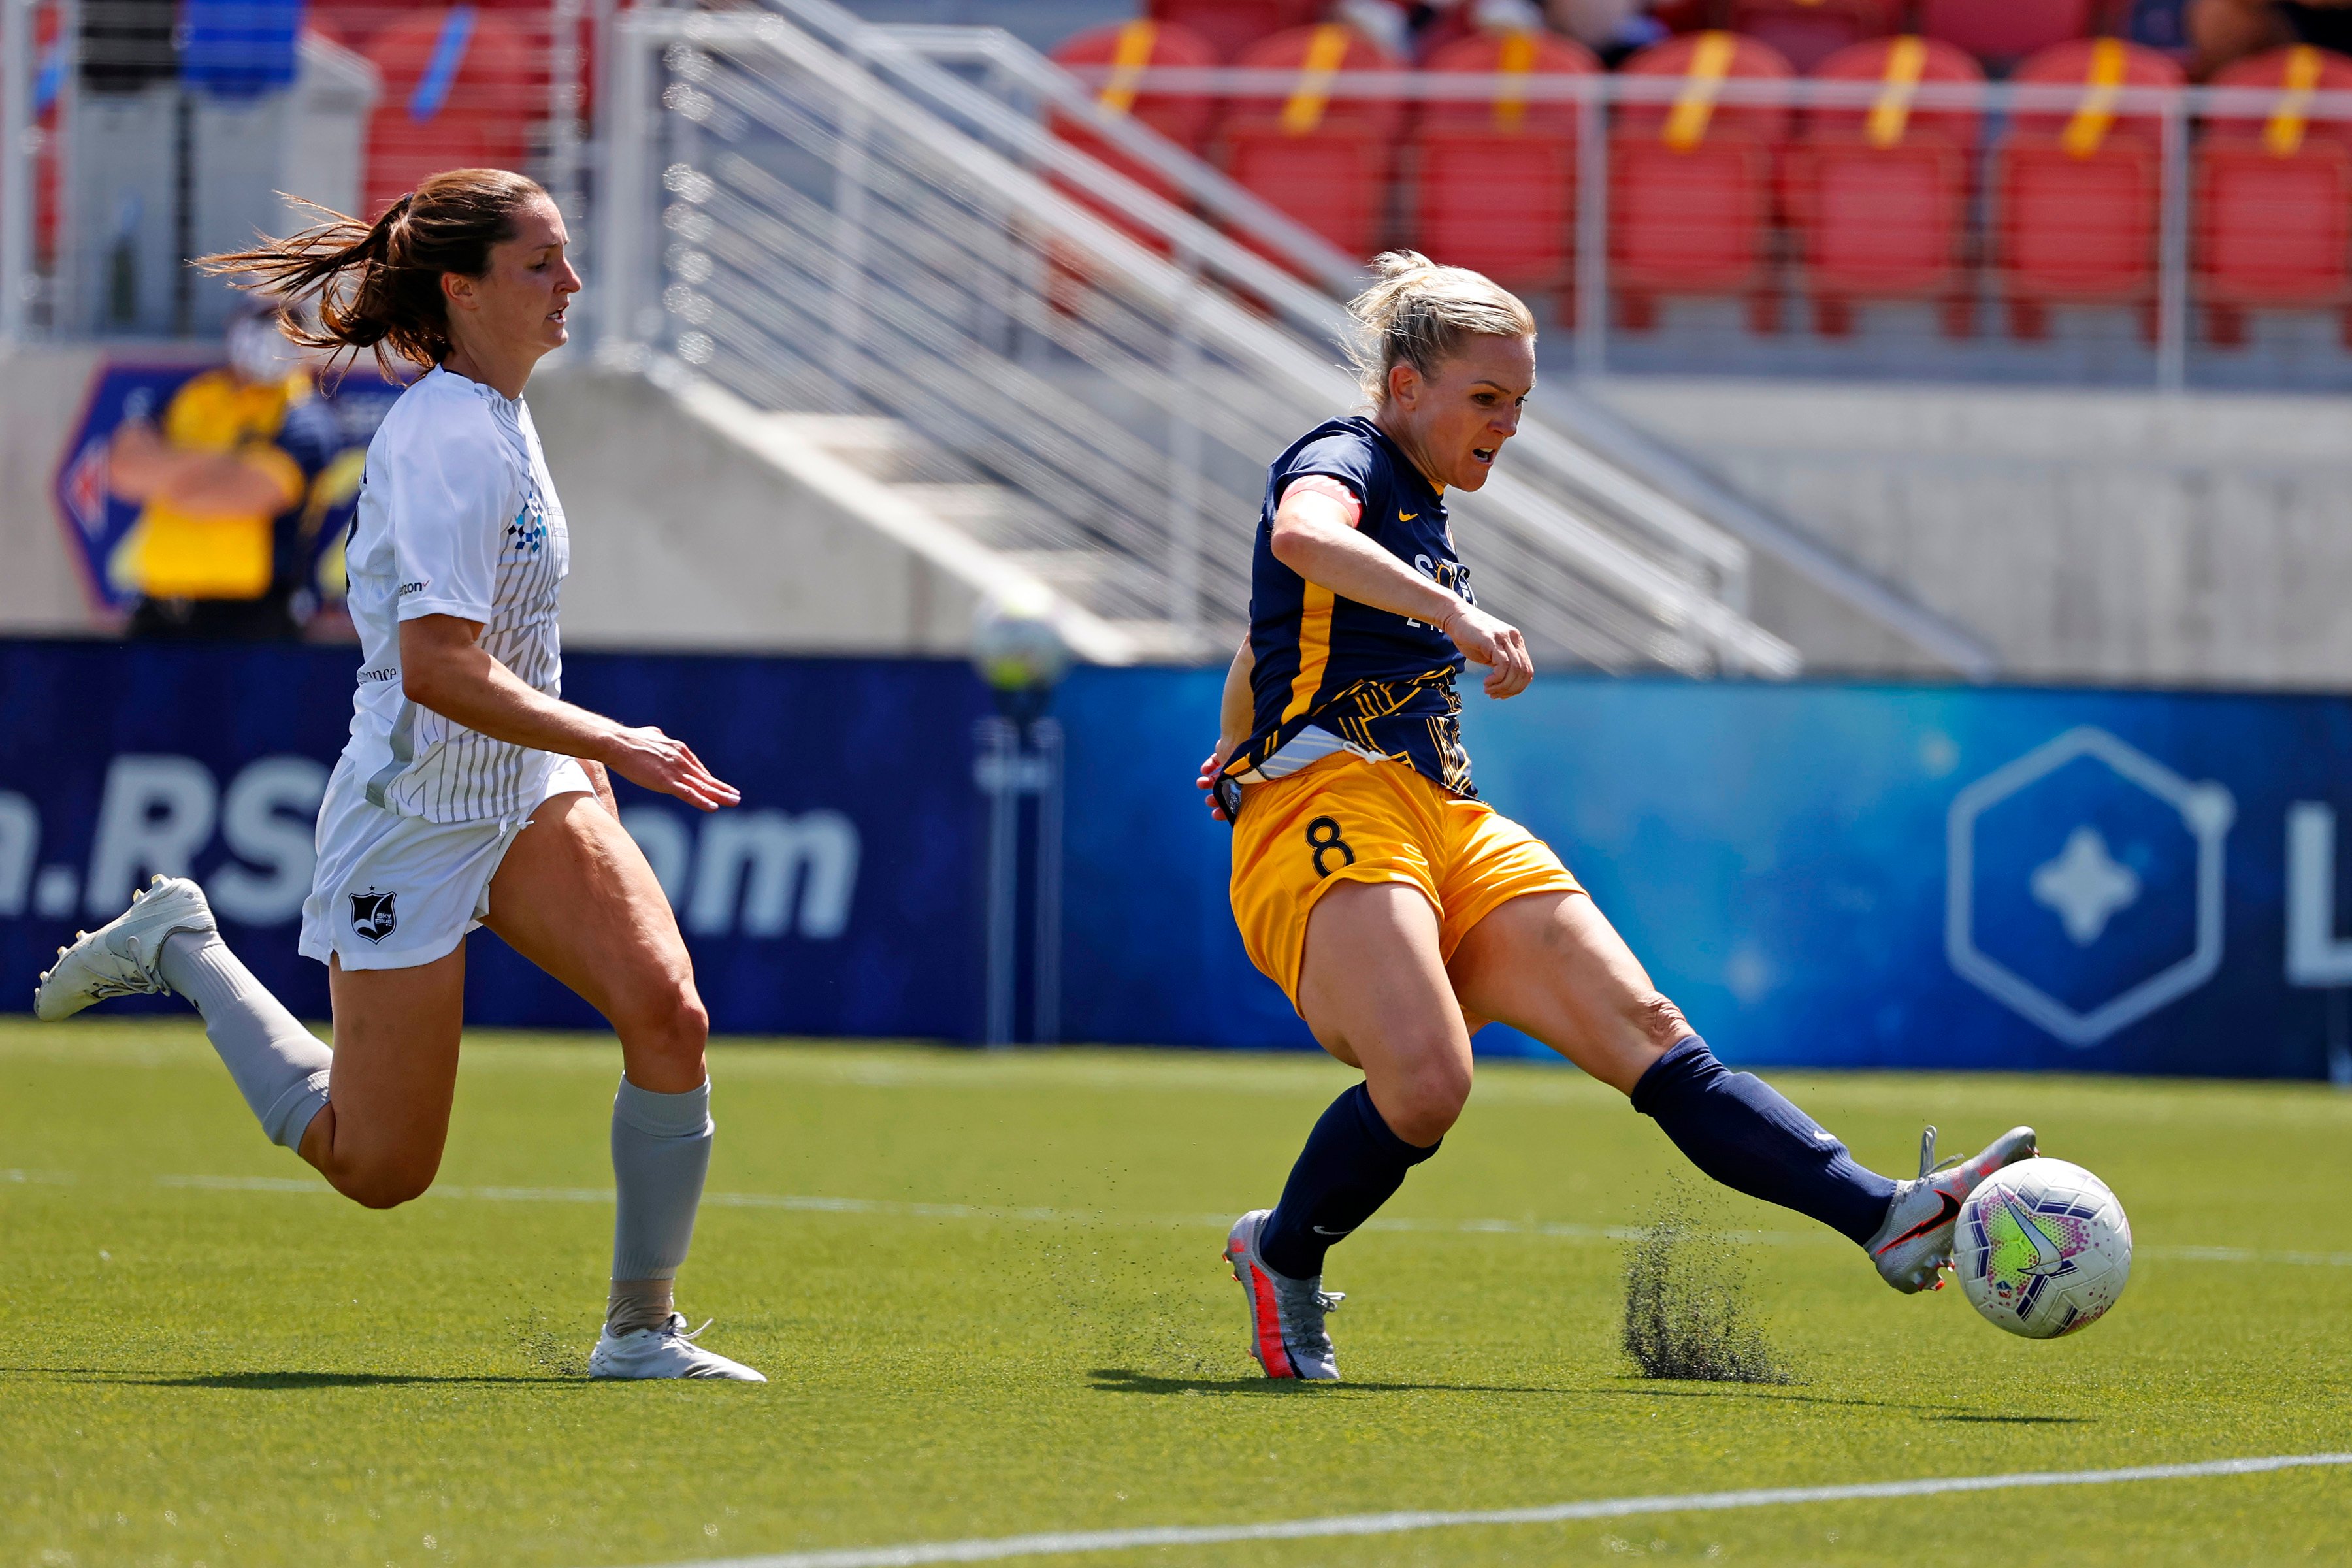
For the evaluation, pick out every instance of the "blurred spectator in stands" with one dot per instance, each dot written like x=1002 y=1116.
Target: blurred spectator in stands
x=1610 y=28
x=223 y=480
x=1419 y=30
x=2226 y=30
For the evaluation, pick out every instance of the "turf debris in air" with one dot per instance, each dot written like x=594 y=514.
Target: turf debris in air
x=1687 y=1314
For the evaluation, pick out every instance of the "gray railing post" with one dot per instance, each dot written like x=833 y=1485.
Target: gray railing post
x=850 y=202
x=1184 y=541
x=625 y=201
x=2172 y=247
x=1592 y=228
x=19 y=141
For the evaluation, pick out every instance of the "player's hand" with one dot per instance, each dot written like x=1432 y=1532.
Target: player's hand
x=1210 y=771
x=653 y=760
x=1484 y=639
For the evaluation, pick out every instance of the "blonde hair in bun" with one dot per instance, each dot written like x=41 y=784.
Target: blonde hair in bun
x=1419 y=314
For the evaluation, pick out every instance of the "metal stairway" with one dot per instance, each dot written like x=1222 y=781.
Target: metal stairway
x=868 y=233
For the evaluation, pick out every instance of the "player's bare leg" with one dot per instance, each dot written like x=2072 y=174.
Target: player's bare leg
x=1552 y=965
x=575 y=896
x=378 y=1139
x=1372 y=989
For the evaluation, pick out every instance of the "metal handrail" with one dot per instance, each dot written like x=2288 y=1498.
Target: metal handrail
x=1687 y=626
x=906 y=51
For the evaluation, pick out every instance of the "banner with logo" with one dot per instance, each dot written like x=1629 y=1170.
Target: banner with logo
x=1823 y=875
x=98 y=522
x=840 y=898
x=1819 y=875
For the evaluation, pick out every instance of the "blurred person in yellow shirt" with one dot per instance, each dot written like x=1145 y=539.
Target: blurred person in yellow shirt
x=223 y=481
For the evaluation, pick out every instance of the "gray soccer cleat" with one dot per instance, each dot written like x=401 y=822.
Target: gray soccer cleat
x=1914 y=1247
x=118 y=958
x=1286 y=1333
x=668 y=1350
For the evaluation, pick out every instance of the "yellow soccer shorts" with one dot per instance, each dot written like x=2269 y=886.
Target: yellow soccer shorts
x=1346 y=819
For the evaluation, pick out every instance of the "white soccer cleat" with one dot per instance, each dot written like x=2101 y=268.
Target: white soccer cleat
x=1914 y=1247
x=118 y=958
x=668 y=1350
x=1287 y=1332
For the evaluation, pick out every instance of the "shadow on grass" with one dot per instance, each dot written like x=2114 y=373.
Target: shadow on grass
x=1929 y=1412
x=1127 y=1380
x=272 y=1382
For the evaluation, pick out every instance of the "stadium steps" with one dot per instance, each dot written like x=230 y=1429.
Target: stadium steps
x=1070 y=381
x=1028 y=538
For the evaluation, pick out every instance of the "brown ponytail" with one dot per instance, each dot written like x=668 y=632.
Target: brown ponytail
x=379 y=284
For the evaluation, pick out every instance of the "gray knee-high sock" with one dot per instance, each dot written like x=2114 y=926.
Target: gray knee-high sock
x=661 y=1151
x=278 y=1065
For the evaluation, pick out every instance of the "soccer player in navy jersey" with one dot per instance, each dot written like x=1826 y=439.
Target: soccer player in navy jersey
x=1398 y=910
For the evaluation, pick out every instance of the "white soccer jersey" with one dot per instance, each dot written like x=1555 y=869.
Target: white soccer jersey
x=456 y=517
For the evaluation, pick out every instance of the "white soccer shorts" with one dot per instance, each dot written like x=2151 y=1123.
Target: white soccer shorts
x=393 y=892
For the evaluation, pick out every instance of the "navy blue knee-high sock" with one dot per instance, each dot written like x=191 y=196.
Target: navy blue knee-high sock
x=1351 y=1165
x=1740 y=1130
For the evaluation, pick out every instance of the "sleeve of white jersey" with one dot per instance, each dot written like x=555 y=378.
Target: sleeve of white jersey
x=452 y=493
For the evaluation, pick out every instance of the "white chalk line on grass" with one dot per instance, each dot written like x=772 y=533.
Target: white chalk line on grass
x=1037 y=1214
x=1066 y=1543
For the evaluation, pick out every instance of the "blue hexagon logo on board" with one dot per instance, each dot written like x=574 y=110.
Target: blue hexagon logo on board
x=2085 y=884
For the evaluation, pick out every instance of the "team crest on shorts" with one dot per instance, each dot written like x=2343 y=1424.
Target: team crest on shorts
x=372 y=914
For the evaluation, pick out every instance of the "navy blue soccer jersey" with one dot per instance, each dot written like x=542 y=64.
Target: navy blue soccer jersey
x=1379 y=681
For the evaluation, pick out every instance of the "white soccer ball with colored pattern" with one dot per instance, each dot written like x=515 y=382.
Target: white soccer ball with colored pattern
x=2043 y=1248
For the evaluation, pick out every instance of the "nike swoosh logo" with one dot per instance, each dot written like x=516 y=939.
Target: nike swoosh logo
x=1944 y=1215
x=1321 y=1231
x=2047 y=1257
x=1407 y=516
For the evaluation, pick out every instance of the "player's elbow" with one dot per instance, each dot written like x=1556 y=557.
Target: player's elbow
x=422 y=683
x=1293 y=545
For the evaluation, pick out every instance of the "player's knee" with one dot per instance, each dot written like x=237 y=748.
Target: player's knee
x=1661 y=1022
x=385 y=1185
x=1427 y=1102
x=671 y=1025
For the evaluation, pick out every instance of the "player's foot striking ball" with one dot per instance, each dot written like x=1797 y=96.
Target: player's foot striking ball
x=1398 y=910
x=470 y=794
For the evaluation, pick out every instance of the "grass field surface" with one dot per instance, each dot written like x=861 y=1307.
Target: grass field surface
x=988 y=1291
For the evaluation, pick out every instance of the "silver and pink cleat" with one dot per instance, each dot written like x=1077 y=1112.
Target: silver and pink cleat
x=1287 y=1332
x=1914 y=1247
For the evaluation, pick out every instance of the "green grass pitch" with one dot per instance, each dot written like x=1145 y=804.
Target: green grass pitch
x=989 y=1294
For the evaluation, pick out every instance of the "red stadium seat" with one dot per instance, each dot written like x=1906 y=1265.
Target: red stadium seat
x=2001 y=32
x=1231 y=27
x=2074 y=193
x=1495 y=183
x=1128 y=49
x=1322 y=159
x=1690 y=181
x=1808 y=31
x=461 y=90
x=2272 y=225
x=1879 y=196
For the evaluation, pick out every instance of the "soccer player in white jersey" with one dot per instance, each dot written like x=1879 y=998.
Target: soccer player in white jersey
x=470 y=794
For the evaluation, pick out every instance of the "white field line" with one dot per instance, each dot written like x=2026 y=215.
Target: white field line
x=1036 y=1215
x=1065 y=1543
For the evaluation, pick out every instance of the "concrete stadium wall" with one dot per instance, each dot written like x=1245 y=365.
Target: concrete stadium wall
x=682 y=539
x=2090 y=536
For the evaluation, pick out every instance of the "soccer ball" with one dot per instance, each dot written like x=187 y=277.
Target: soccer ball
x=2043 y=1248
x=1016 y=645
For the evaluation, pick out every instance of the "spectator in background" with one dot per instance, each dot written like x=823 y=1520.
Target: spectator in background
x=223 y=481
x=2227 y=30
x=1610 y=28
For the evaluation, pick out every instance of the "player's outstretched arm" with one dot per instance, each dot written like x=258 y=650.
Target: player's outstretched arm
x=444 y=666
x=1314 y=536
